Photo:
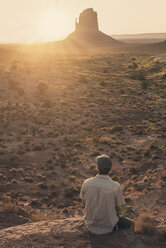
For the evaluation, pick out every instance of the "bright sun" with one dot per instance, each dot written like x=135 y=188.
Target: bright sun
x=52 y=25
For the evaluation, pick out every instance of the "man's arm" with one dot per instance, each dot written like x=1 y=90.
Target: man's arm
x=82 y=194
x=120 y=202
x=121 y=210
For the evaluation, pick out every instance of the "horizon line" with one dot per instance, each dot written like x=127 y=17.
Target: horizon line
x=39 y=42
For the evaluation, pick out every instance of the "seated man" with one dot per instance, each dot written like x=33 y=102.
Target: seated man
x=103 y=198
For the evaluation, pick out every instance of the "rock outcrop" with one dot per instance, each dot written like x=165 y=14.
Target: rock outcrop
x=88 y=21
x=87 y=33
x=70 y=232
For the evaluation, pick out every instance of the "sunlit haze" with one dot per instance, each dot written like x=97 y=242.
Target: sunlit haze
x=47 y=20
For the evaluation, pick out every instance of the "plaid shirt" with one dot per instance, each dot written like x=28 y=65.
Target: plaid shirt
x=101 y=195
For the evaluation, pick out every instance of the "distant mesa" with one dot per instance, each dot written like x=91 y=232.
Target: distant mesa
x=87 y=33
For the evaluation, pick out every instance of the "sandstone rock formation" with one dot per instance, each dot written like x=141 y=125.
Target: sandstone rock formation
x=87 y=33
x=88 y=21
x=70 y=232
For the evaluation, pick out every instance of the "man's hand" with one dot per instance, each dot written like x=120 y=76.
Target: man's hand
x=121 y=210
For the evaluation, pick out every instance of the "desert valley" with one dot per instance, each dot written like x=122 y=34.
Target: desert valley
x=59 y=111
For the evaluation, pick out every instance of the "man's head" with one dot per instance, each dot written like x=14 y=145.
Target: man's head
x=104 y=164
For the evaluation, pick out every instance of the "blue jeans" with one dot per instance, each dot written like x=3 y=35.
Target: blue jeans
x=123 y=223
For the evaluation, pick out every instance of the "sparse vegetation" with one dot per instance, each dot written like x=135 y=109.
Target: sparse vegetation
x=10 y=207
x=42 y=87
x=145 y=224
x=138 y=75
x=42 y=185
x=72 y=111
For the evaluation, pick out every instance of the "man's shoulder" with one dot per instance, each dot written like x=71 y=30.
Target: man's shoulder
x=89 y=180
x=116 y=184
x=95 y=179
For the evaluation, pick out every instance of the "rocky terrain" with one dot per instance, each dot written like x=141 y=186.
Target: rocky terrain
x=61 y=105
x=57 y=114
x=70 y=232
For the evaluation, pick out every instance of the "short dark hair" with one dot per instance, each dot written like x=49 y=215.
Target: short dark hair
x=104 y=164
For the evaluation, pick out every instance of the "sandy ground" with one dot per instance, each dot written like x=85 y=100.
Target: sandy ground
x=58 y=114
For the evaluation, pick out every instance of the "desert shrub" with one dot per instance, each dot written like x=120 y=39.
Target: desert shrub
x=42 y=87
x=92 y=167
x=50 y=167
x=14 y=66
x=2 y=177
x=145 y=224
x=133 y=170
x=47 y=104
x=28 y=179
x=38 y=147
x=42 y=185
x=70 y=192
x=54 y=193
x=105 y=140
x=20 y=91
x=72 y=179
x=163 y=177
x=140 y=129
x=115 y=178
x=10 y=207
x=163 y=76
x=138 y=75
x=38 y=215
x=149 y=149
x=14 y=181
x=115 y=129
x=12 y=84
x=49 y=161
x=103 y=83
x=41 y=176
x=65 y=211
x=95 y=154
x=20 y=170
x=83 y=79
x=13 y=170
x=144 y=85
x=133 y=65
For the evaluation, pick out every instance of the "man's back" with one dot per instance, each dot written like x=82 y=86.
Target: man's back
x=101 y=196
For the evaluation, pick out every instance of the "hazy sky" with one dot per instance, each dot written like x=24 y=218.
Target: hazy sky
x=44 y=20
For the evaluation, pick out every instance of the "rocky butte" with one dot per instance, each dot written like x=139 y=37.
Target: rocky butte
x=88 y=38
x=87 y=33
x=88 y=21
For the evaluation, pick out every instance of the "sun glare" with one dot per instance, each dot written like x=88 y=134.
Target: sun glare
x=51 y=25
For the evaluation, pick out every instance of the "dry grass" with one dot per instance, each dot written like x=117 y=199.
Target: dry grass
x=145 y=224
x=10 y=207
x=40 y=215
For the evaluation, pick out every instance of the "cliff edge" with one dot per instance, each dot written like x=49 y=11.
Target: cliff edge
x=71 y=233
